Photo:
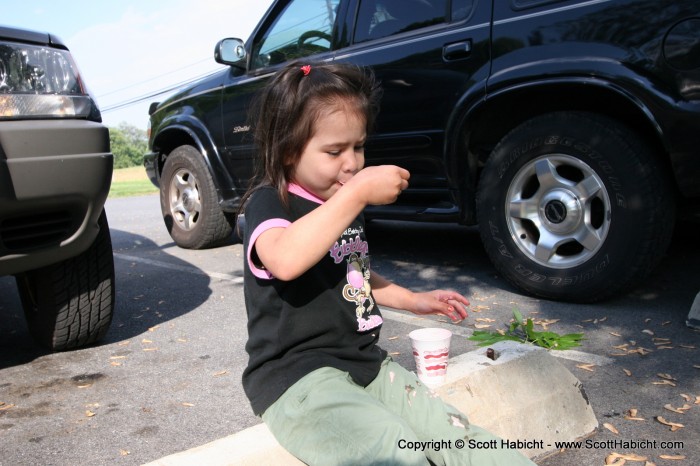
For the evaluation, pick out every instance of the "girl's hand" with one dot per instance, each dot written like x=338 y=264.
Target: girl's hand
x=379 y=185
x=447 y=303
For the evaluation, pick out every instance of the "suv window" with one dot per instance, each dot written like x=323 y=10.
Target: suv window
x=303 y=28
x=382 y=18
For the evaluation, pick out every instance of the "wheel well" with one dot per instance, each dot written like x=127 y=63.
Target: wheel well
x=501 y=113
x=166 y=142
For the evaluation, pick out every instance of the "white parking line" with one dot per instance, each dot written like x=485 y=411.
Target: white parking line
x=409 y=319
x=180 y=268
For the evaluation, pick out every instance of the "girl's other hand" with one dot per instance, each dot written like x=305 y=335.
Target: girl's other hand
x=379 y=185
x=447 y=303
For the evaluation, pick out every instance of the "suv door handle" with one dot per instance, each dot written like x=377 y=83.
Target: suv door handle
x=457 y=50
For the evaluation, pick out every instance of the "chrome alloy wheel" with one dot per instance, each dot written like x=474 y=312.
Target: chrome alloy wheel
x=558 y=211
x=185 y=201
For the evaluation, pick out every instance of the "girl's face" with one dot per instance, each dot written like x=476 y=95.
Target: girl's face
x=334 y=153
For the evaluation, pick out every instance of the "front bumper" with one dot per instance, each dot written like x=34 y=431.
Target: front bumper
x=55 y=176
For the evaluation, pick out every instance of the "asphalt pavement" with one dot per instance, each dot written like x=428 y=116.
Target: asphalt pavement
x=167 y=376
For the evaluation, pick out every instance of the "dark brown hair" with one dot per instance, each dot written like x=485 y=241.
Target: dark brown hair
x=287 y=108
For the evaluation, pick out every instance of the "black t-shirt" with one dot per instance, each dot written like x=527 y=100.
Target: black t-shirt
x=327 y=317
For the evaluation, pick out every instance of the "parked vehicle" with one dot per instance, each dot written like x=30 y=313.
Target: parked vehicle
x=55 y=174
x=568 y=130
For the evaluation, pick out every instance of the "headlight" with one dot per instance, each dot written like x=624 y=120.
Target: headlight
x=38 y=81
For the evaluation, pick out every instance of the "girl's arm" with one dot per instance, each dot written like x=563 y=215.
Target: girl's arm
x=447 y=303
x=289 y=252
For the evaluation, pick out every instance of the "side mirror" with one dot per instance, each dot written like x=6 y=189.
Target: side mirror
x=231 y=52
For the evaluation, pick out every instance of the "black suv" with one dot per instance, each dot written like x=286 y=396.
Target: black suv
x=55 y=174
x=568 y=130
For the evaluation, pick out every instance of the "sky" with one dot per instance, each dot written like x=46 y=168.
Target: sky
x=129 y=49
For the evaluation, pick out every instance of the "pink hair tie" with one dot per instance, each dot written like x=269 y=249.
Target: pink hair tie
x=306 y=69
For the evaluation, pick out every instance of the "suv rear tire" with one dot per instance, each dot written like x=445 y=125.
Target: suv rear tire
x=573 y=206
x=189 y=202
x=70 y=304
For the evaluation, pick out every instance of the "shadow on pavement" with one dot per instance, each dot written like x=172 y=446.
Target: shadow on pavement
x=146 y=296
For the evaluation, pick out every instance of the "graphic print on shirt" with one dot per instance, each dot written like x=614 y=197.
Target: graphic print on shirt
x=358 y=289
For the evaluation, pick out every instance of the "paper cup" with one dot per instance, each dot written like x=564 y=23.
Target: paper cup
x=431 y=349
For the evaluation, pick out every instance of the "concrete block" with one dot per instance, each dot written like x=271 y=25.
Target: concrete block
x=524 y=395
x=694 y=314
x=254 y=446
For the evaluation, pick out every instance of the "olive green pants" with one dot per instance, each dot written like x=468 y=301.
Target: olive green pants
x=327 y=419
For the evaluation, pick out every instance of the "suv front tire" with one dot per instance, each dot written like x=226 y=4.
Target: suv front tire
x=70 y=304
x=188 y=201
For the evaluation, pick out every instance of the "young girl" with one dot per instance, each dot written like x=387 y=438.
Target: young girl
x=315 y=374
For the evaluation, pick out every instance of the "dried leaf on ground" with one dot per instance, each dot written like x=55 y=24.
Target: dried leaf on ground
x=220 y=373
x=628 y=372
x=545 y=323
x=395 y=353
x=484 y=319
x=611 y=428
x=680 y=410
x=189 y=405
x=632 y=415
x=648 y=332
x=664 y=382
x=688 y=346
x=586 y=367
x=480 y=326
x=124 y=452
x=673 y=425
x=667 y=377
x=392 y=338
x=89 y=413
x=615 y=334
x=614 y=461
x=672 y=457
x=5 y=406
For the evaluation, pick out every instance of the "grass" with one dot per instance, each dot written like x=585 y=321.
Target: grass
x=131 y=181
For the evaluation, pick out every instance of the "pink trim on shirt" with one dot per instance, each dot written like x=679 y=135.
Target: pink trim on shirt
x=301 y=192
x=263 y=227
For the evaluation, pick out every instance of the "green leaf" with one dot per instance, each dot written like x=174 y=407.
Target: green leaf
x=518 y=316
x=524 y=332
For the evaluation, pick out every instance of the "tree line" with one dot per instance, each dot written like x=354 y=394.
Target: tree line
x=128 y=144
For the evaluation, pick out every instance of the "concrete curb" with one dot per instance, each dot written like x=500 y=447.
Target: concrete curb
x=523 y=395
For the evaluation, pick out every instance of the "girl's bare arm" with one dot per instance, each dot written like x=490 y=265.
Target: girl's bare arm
x=289 y=252
x=444 y=302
